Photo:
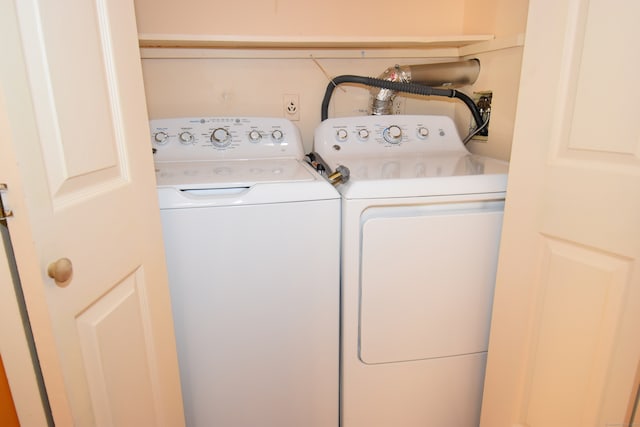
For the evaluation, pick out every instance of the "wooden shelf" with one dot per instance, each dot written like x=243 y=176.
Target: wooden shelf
x=192 y=41
x=286 y=47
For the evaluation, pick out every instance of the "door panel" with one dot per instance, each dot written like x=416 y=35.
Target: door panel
x=596 y=41
x=584 y=287
x=80 y=151
x=563 y=348
x=117 y=324
x=590 y=127
x=85 y=190
x=427 y=278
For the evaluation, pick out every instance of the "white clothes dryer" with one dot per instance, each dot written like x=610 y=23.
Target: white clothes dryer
x=421 y=222
x=251 y=234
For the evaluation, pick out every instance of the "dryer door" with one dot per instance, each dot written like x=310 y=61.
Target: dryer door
x=427 y=280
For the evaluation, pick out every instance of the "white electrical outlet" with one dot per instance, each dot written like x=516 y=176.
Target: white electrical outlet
x=399 y=105
x=291 y=106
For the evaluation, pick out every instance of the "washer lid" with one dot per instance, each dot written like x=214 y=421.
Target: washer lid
x=229 y=174
x=444 y=173
x=234 y=183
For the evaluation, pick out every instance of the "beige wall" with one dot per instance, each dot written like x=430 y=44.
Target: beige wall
x=498 y=17
x=226 y=85
x=301 y=17
x=500 y=73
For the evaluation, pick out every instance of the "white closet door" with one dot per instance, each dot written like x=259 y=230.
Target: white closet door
x=80 y=181
x=564 y=347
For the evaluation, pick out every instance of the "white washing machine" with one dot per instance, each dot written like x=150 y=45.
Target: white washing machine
x=252 y=236
x=421 y=221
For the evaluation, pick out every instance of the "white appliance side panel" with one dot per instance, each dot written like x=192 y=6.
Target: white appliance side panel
x=427 y=280
x=255 y=295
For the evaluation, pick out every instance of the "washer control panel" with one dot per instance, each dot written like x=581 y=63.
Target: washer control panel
x=224 y=138
x=386 y=135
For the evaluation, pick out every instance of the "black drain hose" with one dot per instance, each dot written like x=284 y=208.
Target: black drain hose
x=414 y=88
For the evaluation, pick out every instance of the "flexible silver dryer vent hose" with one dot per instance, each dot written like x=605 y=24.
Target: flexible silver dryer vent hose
x=439 y=74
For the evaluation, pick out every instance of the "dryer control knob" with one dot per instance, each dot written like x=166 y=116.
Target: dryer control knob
x=392 y=134
x=342 y=135
x=220 y=137
x=423 y=132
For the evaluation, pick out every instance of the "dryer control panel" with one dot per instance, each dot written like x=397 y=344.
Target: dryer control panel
x=368 y=136
x=402 y=156
x=225 y=138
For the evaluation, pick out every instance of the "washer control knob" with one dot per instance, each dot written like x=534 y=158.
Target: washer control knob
x=277 y=135
x=342 y=135
x=392 y=134
x=423 y=132
x=254 y=136
x=161 y=137
x=220 y=137
x=186 y=137
x=363 y=134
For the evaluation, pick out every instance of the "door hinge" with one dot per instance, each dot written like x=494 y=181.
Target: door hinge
x=3 y=213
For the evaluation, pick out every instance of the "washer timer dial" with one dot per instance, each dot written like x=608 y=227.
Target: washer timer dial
x=392 y=134
x=220 y=137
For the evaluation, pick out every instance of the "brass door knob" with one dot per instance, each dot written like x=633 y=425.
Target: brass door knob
x=61 y=271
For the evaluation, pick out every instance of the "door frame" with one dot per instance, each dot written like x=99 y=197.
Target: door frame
x=16 y=344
